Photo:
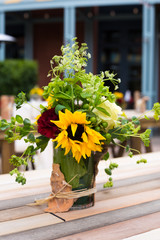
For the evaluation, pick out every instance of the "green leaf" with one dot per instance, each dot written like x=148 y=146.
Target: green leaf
x=103 y=110
x=4 y=127
x=42 y=142
x=143 y=160
x=59 y=108
x=19 y=119
x=20 y=99
x=26 y=122
x=130 y=154
x=113 y=165
x=108 y=184
x=31 y=138
x=108 y=171
x=145 y=137
x=62 y=95
x=156 y=109
x=127 y=148
x=106 y=156
x=64 y=103
x=147 y=118
x=30 y=150
x=19 y=176
x=70 y=167
x=135 y=120
x=86 y=94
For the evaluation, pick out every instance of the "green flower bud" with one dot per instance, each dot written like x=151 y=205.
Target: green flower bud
x=104 y=124
x=93 y=120
x=85 y=106
x=97 y=129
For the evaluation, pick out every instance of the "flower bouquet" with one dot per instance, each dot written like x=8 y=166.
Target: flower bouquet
x=82 y=119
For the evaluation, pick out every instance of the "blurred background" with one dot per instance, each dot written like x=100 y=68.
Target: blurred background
x=123 y=37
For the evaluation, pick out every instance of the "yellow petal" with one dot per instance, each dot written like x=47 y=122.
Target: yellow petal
x=78 y=156
x=86 y=149
x=74 y=128
x=84 y=137
x=68 y=148
x=83 y=150
x=61 y=136
x=68 y=117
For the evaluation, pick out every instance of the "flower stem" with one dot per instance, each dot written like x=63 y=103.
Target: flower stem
x=72 y=95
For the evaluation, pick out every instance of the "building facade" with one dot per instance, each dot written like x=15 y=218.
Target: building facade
x=122 y=36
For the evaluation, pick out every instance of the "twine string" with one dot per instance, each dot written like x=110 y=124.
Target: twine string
x=65 y=195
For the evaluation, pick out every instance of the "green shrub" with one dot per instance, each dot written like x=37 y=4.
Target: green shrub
x=17 y=75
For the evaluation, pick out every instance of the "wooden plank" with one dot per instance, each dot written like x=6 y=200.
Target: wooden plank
x=131 y=189
x=124 y=229
x=6 y=179
x=112 y=204
x=88 y=223
x=24 y=224
x=135 y=180
x=154 y=234
x=33 y=184
x=25 y=192
x=18 y=202
x=128 y=167
x=119 y=188
x=20 y=212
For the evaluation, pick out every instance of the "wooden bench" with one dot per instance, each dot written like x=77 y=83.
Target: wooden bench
x=131 y=207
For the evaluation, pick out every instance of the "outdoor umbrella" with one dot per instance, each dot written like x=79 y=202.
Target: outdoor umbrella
x=6 y=38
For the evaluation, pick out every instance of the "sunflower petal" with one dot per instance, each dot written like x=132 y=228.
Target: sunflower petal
x=84 y=137
x=74 y=128
x=78 y=156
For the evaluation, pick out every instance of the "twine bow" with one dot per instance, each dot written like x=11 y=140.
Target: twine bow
x=67 y=195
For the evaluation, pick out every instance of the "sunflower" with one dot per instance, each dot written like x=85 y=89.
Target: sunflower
x=76 y=136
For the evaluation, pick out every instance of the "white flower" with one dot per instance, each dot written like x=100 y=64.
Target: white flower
x=119 y=80
x=113 y=109
x=89 y=55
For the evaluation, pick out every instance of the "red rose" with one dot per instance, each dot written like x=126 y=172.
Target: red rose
x=45 y=126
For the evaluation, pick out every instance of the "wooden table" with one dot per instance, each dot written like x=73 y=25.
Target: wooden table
x=131 y=207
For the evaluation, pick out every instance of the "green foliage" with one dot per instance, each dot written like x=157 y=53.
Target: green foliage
x=143 y=160
x=20 y=99
x=86 y=88
x=145 y=137
x=106 y=156
x=109 y=183
x=156 y=109
x=41 y=142
x=17 y=75
x=19 y=176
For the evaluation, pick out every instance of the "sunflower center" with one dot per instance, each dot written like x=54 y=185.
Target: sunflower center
x=78 y=133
